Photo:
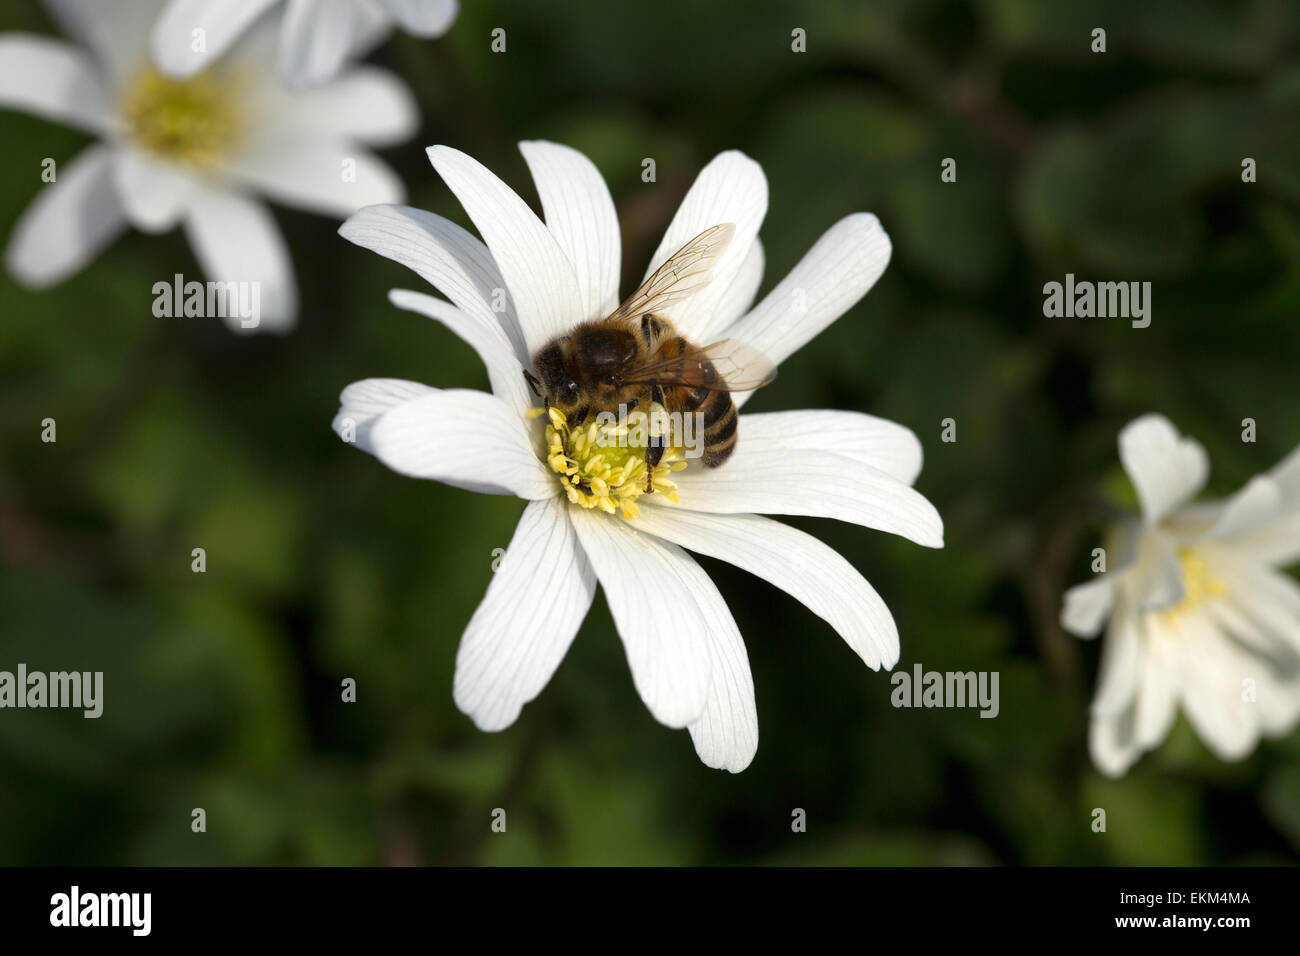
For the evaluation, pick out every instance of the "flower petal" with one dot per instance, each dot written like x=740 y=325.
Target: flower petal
x=365 y=104
x=154 y=193
x=538 y=597
x=828 y=281
x=1210 y=691
x=491 y=344
x=726 y=734
x=446 y=256
x=664 y=607
x=319 y=175
x=361 y=404
x=319 y=36
x=1166 y=469
x=731 y=188
x=580 y=215
x=423 y=18
x=738 y=298
x=1086 y=606
x=236 y=240
x=805 y=568
x=68 y=222
x=1252 y=508
x=537 y=272
x=1121 y=664
x=878 y=442
x=51 y=79
x=465 y=439
x=810 y=482
x=174 y=37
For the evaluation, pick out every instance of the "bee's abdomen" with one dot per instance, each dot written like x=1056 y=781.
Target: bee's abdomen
x=720 y=421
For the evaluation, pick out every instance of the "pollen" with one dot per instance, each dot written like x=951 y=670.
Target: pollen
x=601 y=464
x=194 y=121
x=1199 y=586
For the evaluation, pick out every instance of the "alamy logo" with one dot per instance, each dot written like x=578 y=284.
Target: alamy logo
x=923 y=688
x=1084 y=300
x=103 y=909
x=212 y=300
x=76 y=689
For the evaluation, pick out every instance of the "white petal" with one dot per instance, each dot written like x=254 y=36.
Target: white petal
x=1211 y=690
x=1112 y=741
x=808 y=570
x=1156 y=701
x=523 y=627
x=361 y=404
x=116 y=33
x=726 y=734
x=70 y=220
x=175 y=39
x=236 y=240
x=1166 y=470
x=809 y=482
x=1277 y=542
x=54 y=80
x=491 y=344
x=1158 y=572
x=423 y=18
x=580 y=215
x=731 y=188
x=1250 y=509
x=319 y=175
x=463 y=438
x=1121 y=665
x=1087 y=606
x=154 y=193
x=319 y=36
x=537 y=272
x=739 y=296
x=829 y=280
x=365 y=104
x=446 y=256
x=1286 y=474
x=664 y=607
x=878 y=442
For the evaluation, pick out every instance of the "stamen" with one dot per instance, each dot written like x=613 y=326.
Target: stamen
x=194 y=121
x=1199 y=586
x=600 y=469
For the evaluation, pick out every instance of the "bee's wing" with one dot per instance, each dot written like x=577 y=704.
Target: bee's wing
x=684 y=273
x=739 y=368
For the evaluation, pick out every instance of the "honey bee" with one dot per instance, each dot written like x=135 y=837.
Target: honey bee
x=636 y=357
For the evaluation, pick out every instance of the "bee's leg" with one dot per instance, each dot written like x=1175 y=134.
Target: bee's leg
x=654 y=446
x=580 y=416
x=533 y=383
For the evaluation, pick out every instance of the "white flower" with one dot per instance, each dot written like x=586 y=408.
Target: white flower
x=317 y=37
x=688 y=662
x=191 y=152
x=1199 y=613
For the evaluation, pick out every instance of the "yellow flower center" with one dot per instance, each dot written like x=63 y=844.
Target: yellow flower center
x=601 y=464
x=1199 y=585
x=194 y=121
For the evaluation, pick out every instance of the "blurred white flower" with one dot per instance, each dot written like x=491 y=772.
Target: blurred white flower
x=1199 y=613
x=317 y=37
x=191 y=152
x=686 y=655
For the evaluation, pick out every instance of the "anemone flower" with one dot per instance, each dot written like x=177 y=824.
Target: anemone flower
x=529 y=281
x=317 y=37
x=1200 y=616
x=191 y=152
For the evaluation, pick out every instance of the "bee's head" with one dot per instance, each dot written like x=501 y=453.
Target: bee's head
x=554 y=380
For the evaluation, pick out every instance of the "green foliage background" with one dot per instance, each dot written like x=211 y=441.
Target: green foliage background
x=222 y=689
